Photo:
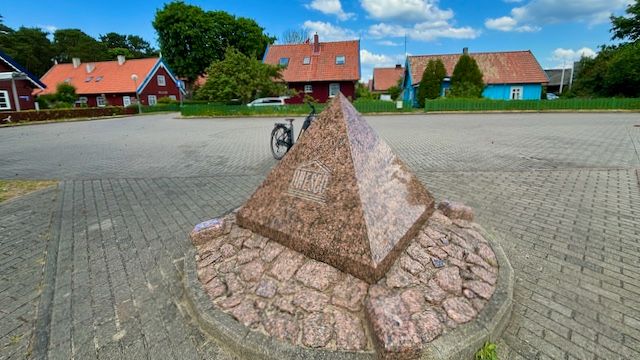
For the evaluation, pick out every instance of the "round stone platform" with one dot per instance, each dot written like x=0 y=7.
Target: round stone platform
x=448 y=293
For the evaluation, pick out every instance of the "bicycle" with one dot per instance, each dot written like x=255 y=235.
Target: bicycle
x=282 y=134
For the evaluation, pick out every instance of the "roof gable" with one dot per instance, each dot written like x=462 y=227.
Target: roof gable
x=510 y=67
x=384 y=78
x=18 y=68
x=105 y=77
x=322 y=65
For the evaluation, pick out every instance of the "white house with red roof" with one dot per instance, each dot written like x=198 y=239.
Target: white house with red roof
x=508 y=75
x=318 y=69
x=116 y=83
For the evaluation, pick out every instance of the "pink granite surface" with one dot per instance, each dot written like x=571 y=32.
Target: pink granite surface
x=442 y=280
x=341 y=196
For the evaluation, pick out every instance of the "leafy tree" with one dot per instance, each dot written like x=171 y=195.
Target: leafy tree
x=294 y=36
x=4 y=29
x=394 y=92
x=70 y=43
x=623 y=74
x=431 y=81
x=241 y=77
x=627 y=27
x=363 y=92
x=66 y=93
x=30 y=47
x=191 y=38
x=590 y=74
x=466 y=80
x=131 y=46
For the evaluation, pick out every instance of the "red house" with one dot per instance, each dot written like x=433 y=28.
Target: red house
x=116 y=83
x=16 y=86
x=318 y=69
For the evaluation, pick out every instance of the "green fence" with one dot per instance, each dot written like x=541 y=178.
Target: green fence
x=161 y=108
x=363 y=106
x=531 y=105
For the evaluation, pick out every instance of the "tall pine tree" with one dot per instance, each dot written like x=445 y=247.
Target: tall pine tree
x=431 y=81
x=466 y=80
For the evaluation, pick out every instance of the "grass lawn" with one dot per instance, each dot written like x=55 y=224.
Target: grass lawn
x=13 y=188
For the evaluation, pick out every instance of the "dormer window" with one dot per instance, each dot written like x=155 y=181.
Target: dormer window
x=98 y=78
x=306 y=60
x=88 y=79
x=340 y=60
x=284 y=62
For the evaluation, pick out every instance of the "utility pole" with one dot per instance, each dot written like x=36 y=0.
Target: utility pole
x=564 y=63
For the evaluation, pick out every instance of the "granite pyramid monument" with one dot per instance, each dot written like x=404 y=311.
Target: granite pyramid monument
x=341 y=196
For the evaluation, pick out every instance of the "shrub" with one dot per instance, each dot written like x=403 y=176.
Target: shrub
x=167 y=100
x=466 y=80
x=431 y=82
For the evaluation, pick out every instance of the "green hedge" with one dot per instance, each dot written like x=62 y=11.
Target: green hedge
x=55 y=114
x=531 y=105
x=159 y=108
x=363 y=106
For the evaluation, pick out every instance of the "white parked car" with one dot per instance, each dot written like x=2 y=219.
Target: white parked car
x=269 y=101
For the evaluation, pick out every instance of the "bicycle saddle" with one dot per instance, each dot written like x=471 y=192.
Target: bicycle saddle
x=289 y=120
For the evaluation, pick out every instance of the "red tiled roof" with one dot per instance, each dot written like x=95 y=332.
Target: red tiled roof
x=323 y=64
x=384 y=78
x=497 y=67
x=115 y=78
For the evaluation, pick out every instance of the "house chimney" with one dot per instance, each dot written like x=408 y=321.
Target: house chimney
x=465 y=51
x=316 y=44
x=121 y=59
x=90 y=68
x=75 y=62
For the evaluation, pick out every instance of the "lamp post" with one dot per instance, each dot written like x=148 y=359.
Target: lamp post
x=134 y=77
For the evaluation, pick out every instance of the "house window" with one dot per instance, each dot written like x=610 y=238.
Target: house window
x=516 y=92
x=308 y=89
x=83 y=99
x=5 y=103
x=101 y=101
x=126 y=100
x=161 y=80
x=306 y=60
x=152 y=100
x=172 y=97
x=284 y=62
x=340 y=60
x=88 y=79
x=99 y=78
x=334 y=89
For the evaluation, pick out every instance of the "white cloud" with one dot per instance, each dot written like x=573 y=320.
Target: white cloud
x=571 y=55
x=406 y=10
x=330 y=7
x=507 y=23
x=421 y=20
x=49 y=28
x=375 y=60
x=424 y=31
x=530 y=16
x=388 y=43
x=328 y=31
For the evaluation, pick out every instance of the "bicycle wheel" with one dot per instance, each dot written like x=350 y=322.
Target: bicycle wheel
x=280 y=141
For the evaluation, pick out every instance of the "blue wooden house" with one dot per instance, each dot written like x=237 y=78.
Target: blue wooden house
x=508 y=75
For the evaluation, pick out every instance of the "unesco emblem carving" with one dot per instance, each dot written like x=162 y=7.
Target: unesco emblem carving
x=310 y=181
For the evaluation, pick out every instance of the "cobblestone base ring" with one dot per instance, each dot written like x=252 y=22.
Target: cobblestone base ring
x=448 y=293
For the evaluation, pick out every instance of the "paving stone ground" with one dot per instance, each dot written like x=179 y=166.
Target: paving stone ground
x=88 y=270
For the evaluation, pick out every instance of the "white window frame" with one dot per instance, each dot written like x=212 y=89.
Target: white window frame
x=6 y=103
x=162 y=81
x=344 y=60
x=152 y=100
x=83 y=99
x=101 y=101
x=308 y=89
x=126 y=101
x=334 y=89
x=516 y=93
x=306 y=60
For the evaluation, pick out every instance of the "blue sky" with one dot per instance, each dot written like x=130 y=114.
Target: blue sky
x=554 y=30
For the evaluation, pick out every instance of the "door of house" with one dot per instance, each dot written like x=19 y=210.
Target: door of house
x=516 y=92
